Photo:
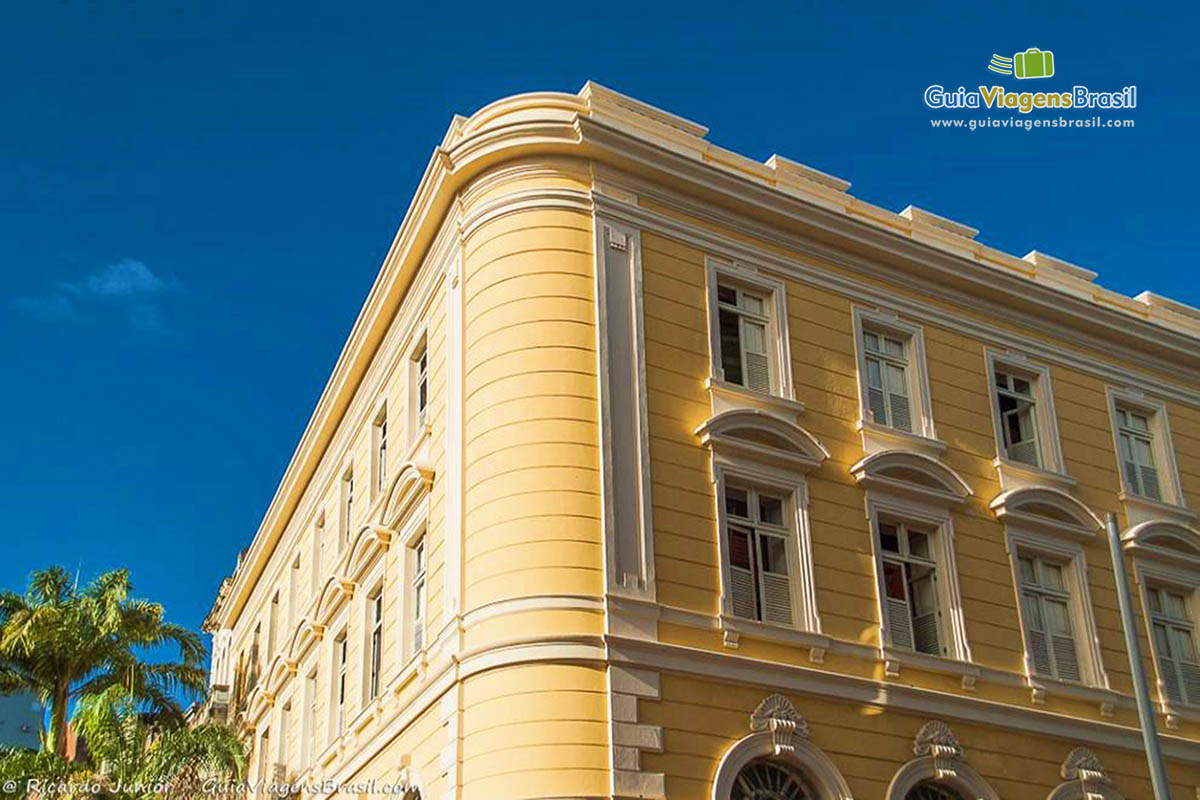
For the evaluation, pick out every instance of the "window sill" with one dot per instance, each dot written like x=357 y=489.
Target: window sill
x=728 y=396
x=1017 y=475
x=1040 y=686
x=877 y=438
x=1143 y=509
x=1175 y=712
x=895 y=658
x=733 y=628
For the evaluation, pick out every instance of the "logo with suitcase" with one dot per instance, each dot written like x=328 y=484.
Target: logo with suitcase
x=1033 y=63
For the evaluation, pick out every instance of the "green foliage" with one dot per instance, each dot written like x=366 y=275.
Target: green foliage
x=63 y=643
x=133 y=757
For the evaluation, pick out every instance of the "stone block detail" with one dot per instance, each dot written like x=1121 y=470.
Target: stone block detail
x=630 y=738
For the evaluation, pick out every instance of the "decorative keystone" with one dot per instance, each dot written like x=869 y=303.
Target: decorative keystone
x=777 y=715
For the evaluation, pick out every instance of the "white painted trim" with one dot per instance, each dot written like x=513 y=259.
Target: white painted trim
x=781 y=352
x=1183 y=576
x=1174 y=503
x=1046 y=419
x=953 y=626
x=883 y=321
x=627 y=504
x=793 y=486
x=1087 y=641
x=958 y=775
x=804 y=757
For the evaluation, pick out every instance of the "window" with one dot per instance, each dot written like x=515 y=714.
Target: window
x=1135 y=440
x=910 y=587
x=893 y=381
x=757 y=537
x=417 y=595
x=264 y=746
x=420 y=384
x=292 y=588
x=381 y=445
x=931 y=791
x=1175 y=644
x=347 y=504
x=310 y=719
x=376 y=646
x=318 y=553
x=747 y=321
x=1046 y=603
x=254 y=647
x=1015 y=404
x=765 y=779
x=339 y=684
x=745 y=356
x=272 y=626
x=1146 y=459
x=888 y=380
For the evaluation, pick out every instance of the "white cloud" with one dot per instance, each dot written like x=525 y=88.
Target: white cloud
x=115 y=285
x=126 y=277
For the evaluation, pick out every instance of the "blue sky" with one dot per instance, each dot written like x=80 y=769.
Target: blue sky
x=195 y=202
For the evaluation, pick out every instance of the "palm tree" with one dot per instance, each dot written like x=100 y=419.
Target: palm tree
x=63 y=643
x=141 y=756
x=133 y=756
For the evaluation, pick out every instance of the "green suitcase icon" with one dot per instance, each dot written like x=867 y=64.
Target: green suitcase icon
x=1034 y=63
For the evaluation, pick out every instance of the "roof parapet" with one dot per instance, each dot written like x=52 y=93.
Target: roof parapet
x=1042 y=261
x=793 y=171
x=919 y=216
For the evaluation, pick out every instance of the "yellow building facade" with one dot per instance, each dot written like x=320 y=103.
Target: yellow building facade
x=649 y=470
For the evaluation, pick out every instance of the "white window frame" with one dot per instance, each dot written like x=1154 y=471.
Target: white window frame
x=415 y=617
x=318 y=554
x=952 y=629
x=379 y=455
x=1181 y=577
x=312 y=688
x=339 y=671
x=1163 y=448
x=775 y=304
x=1045 y=419
x=346 y=506
x=793 y=490
x=1070 y=554
x=883 y=322
x=418 y=414
x=372 y=684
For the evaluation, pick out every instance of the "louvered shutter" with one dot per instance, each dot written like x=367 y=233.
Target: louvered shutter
x=1039 y=645
x=1168 y=668
x=1150 y=482
x=743 y=593
x=758 y=371
x=897 y=384
x=1066 y=660
x=1190 y=673
x=1025 y=452
x=878 y=405
x=777 y=599
x=925 y=634
x=899 y=623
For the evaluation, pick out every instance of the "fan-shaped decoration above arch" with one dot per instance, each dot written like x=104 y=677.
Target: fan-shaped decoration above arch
x=761 y=436
x=336 y=591
x=1084 y=778
x=411 y=482
x=1164 y=541
x=941 y=761
x=779 y=736
x=306 y=633
x=1046 y=509
x=912 y=474
x=371 y=542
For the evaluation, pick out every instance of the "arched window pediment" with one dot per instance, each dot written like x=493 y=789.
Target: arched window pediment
x=281 y=669
x=306 y=633
x=1047 y=509
x=1164 y=541
x=1084 y=778
x=761 y=436
x=336 y=591
x=779 y=737
x=372 y=541
x=907 y=473
x=411 y=481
